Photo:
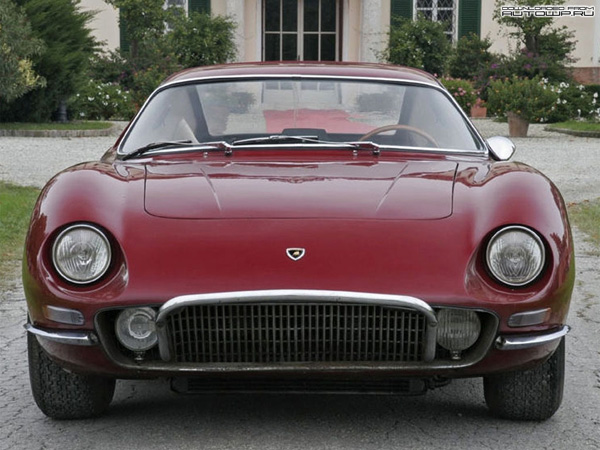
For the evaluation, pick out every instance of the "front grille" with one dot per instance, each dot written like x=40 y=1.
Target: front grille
x=292 y=332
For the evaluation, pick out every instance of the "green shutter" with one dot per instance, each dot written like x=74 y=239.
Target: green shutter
x=201 y=6
x=124 y=40
x=469 y=18
x=401 y=9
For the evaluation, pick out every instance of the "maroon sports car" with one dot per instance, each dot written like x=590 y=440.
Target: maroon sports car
x=300 y=227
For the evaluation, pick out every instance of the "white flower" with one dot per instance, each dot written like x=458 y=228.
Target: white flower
x=564 y=102
x=81 y=114
x=107 y=97
x=580 y=87
x=558 y=100
x=562 y=84
x=559 y=91
x=90 y=99
x=595 y=95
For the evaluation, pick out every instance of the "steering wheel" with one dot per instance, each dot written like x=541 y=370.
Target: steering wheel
x=398 y=126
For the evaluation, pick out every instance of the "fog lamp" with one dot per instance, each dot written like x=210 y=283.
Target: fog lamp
x=458 y=329
x=136 y=329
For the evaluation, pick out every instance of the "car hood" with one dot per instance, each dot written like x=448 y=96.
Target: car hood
x=360 y=190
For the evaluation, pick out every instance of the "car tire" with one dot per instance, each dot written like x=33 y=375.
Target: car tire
x=65 y=395
x=533 y=394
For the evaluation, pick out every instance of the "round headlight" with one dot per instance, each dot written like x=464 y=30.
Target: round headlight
x=81 y=254
x=136 y=328
x=515 y=256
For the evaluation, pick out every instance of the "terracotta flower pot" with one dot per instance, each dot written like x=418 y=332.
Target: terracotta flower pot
x=478 y=111
x=517 y=126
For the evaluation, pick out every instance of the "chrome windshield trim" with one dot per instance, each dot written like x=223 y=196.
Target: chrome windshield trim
x=80 y=338
x=524 y=342
x=484 y=151
x=344 y=146
x=303 y=295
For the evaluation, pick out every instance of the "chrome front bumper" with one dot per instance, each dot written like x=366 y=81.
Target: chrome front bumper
x=89 y=338
x=523 y=342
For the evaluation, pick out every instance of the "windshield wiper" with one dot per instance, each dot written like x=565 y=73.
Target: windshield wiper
x=279 y=139
x=227 y=148
x=283 y=138
x=155 y=145
x=215 y=145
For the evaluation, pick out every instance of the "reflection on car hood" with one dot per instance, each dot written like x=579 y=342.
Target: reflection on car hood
x=357 y=190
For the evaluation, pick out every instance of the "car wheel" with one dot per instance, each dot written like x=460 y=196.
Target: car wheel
x=533 y=394
x=65 y=395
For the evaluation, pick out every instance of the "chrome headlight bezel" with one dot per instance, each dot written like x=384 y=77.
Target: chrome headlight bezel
x=535 y=239
x=69 y=276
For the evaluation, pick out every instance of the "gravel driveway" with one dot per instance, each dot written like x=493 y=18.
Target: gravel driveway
x=146 y=415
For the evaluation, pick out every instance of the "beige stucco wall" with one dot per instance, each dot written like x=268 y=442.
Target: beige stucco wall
x=105 y=24
x=587 y=32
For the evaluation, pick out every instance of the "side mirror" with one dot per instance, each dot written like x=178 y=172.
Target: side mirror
x=502 y=148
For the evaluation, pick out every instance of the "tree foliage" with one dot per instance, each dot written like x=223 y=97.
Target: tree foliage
x=163 y=41
x=17 y=46
x=143 y=19
x=62 y=26
x=470 y=56
x=200 y=40
x=420 y=43
x=539 y=40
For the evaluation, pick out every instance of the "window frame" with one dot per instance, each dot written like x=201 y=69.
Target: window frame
x=300 y=31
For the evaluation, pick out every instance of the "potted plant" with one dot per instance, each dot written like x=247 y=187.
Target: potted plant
x=479 y=109
x=522 y=101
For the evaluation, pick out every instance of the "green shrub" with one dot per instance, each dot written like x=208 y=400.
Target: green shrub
x=109 y=67
x=101 y=101
x=528 y=98
x=200 y=40
x=463 y=92
x=470 y=57
x=573 y=101
x=420 y=43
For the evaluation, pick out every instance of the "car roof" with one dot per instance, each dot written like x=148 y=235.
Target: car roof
x=329 y=69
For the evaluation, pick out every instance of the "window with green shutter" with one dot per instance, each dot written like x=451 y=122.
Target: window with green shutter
x=469 y=19
x=201 y=6
x=401 y=8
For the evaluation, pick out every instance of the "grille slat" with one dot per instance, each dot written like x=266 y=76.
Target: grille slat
x=296 y=332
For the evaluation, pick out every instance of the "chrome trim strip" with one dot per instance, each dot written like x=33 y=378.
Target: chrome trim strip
x=343 y=146
x=523 y=342
x=209 y=78
x=81 y=338
x=268 y=296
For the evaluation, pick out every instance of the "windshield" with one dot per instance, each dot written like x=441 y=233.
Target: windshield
x=388 y=114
